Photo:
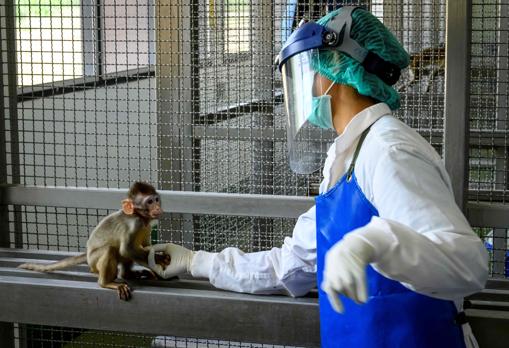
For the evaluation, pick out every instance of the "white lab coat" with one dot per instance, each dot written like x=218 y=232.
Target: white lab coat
x=421 y=238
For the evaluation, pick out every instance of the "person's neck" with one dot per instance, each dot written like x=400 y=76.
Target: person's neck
x=347 y=103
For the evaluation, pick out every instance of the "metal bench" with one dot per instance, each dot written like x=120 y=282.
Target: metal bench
x=184 y=307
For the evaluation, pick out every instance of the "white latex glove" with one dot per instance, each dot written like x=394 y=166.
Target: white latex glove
x=345 y=270
x=181 y=259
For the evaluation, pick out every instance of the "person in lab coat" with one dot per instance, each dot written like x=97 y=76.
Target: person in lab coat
x=392 y=254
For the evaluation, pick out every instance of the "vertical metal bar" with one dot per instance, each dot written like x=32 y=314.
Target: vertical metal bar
x=499 y=251
x=99 y=45
x=6 y=329
x=263 y=162
x=457 y=96
x=6 y=335
x=501 y=153
x=393 y=18
x=502 y=66
x=175 y=72
x=4 y=213
x=12 y=92
x=88 y=20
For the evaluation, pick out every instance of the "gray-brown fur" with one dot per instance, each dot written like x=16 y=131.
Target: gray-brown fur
x=67 y=262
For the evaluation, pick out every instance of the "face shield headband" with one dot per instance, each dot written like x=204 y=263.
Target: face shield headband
x=336 y=35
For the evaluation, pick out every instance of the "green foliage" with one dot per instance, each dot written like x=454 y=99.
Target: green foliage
x=42 y=8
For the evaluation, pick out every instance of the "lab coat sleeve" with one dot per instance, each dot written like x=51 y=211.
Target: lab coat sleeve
x=290 y=269
x=421 y=238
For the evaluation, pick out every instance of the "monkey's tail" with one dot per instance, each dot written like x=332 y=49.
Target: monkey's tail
x=67 y=262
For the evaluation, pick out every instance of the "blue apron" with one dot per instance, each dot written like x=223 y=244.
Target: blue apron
x=394 y=316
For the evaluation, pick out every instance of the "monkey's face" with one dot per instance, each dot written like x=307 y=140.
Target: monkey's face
x=149 y=206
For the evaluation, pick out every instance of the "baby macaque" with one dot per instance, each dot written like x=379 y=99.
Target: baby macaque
x=120 y=239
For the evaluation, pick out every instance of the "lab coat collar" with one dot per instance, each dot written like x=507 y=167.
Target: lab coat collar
x=357 y=125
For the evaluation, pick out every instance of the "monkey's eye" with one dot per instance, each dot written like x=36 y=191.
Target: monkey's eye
x=150 y=201
x=157 y=199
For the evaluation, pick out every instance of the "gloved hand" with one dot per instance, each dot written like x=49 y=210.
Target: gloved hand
x=345 y=270
x=181 y=259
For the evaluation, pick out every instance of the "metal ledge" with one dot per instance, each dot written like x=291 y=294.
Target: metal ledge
x=480 y=214
x=173 y=201
x=495 y=215
x=185 y=308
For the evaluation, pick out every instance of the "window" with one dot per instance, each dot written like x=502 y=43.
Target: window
x=236 y=26
x=48 y=41
x=70 y=39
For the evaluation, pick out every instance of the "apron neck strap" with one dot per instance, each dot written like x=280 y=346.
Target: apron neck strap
x=349 y=173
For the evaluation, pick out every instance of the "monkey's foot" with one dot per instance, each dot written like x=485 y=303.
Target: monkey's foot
x=124 y=292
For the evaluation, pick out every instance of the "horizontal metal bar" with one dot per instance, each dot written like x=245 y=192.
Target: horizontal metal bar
x=83 y=83
x=181 y=308
x=491 y=314
x=235 y=110
x=488 y=214
x=173 y=201
x=480 y=214
x=212 y=132
x=488 y=138
x=489 y=195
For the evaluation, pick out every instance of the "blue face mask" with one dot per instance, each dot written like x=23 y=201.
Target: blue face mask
x=321 y=112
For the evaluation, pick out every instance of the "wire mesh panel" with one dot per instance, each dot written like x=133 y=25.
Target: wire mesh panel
x=67 y=229
x=86 y=113
x=179 y=93
x=183 y=94
x=45 y=336
x=497 y=242
x=489 y=166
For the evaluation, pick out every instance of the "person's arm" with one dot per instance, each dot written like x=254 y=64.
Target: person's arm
x=421 y=238
x=290 y=269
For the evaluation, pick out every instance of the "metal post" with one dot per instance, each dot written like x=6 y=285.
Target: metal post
x=90 y=30
x=501 y=153
x=4 y=83
x=392 y=12
x=175 y=72
x=457 y=95
x=12 y=110
x=6 y=29
x=262 y=83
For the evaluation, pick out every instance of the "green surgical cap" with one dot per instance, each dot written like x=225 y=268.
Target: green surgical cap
x=371 y=34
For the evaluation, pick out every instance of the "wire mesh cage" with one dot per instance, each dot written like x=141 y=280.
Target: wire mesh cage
x=45 y=336
x=184 y=94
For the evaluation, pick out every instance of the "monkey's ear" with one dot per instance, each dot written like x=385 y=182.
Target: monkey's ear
x=128 y=206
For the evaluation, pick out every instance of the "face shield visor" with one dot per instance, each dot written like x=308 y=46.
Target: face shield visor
x=302 y=90
x=304 y=99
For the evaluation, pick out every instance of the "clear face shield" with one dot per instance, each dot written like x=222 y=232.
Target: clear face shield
x=307 y=105
x=307 y=144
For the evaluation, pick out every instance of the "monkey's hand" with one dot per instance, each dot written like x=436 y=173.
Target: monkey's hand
x=181 y=259
x=162 y=259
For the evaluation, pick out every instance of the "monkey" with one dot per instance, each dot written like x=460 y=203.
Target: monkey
x=428 y=62
x=120 y=239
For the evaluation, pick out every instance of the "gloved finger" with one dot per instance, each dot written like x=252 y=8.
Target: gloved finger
x=352 y=287
x=332 y=296
x=157 y=268
x=152 y=258
x=334 y=300
x=171 y=271
x=343 y=284
x=362 y=291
